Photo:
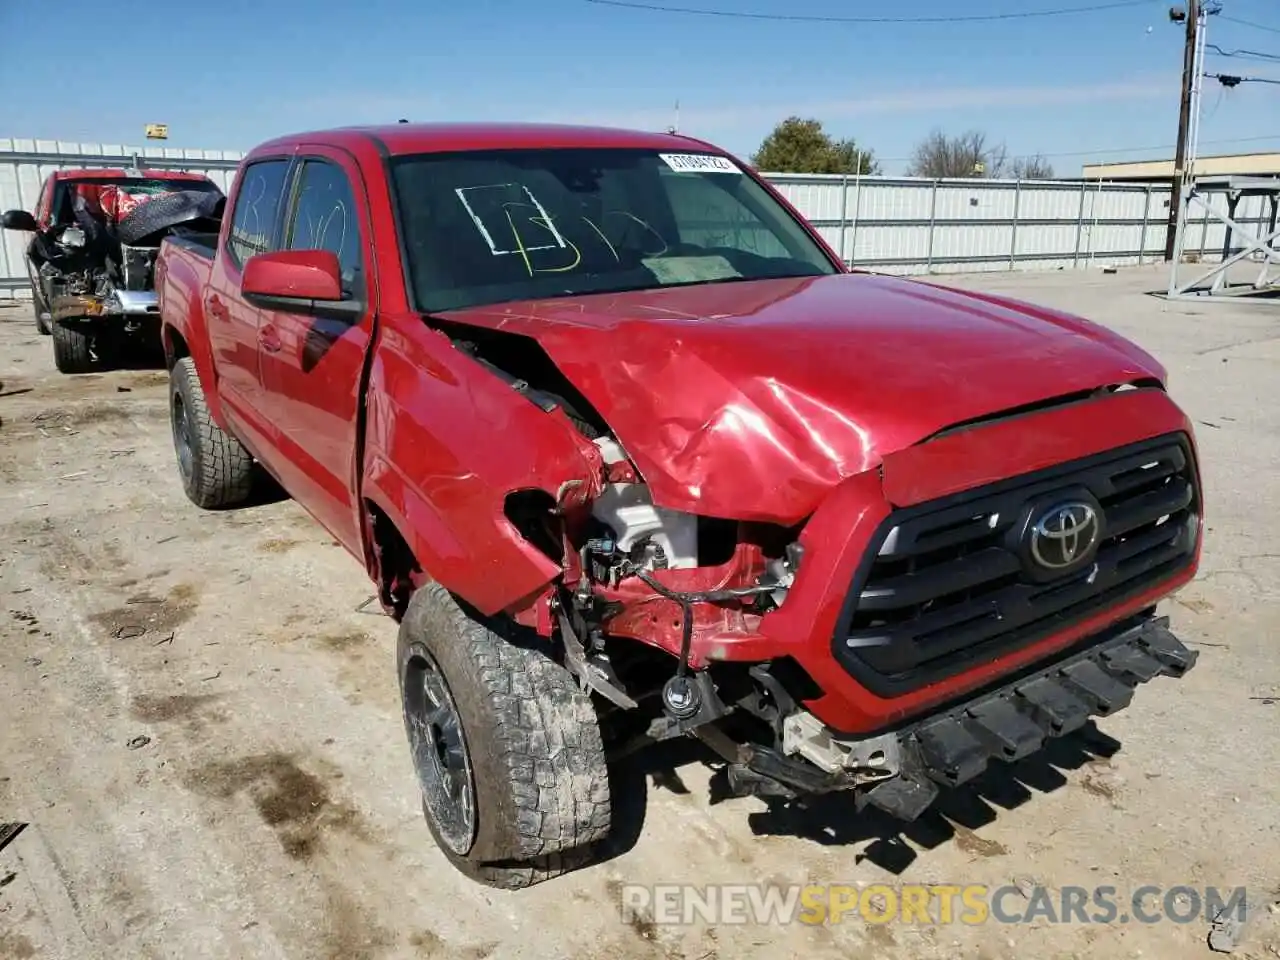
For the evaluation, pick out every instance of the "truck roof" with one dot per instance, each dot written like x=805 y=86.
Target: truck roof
x=407 y=138
x=120 y=173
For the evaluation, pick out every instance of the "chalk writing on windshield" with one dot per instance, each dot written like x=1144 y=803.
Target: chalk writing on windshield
x=489 y=208
x=512 y=221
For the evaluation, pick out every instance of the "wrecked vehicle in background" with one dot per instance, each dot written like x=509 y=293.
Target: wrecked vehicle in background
x=631 y=455
x=91 y=259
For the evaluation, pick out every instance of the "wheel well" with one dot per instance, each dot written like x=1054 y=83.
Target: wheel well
x=175 y=346
x=531 y=513
x=394 y=567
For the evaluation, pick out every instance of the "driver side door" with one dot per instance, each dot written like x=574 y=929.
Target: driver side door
x=311 y=362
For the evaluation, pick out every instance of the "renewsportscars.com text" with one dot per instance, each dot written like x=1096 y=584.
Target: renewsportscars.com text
x=934 y=904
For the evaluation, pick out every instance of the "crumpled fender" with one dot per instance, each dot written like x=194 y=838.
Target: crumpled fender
x=444 y=486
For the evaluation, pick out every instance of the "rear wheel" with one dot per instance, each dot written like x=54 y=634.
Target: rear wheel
x=216 y=470
x=71 y=349
x=506 y=747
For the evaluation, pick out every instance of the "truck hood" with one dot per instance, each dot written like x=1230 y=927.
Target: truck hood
x=751 y=400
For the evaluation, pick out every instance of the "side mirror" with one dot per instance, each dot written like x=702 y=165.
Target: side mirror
x=293 y=275
x=298 y=281
x=18 y=220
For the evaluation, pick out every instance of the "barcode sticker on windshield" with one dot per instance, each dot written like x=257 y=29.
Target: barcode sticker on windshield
x=699 y=163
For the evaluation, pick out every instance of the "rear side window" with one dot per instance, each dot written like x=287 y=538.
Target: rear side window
x=325 y=219
x=253 y=221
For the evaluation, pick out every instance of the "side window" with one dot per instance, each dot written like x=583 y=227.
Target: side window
x=708 y=215
x=257 y=203
x=60 y=203
x=325 y=218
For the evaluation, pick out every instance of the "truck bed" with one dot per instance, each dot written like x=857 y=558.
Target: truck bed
x=182 y=271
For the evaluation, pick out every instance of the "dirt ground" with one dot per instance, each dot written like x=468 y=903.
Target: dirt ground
x=202 y=731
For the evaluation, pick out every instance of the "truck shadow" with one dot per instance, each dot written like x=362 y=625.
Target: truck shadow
x=134 y=357
x=833 y=820
x=266 y=490
x=139 y=351
x=954 y=816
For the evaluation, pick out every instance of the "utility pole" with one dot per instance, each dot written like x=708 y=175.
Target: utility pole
x=1189 y=67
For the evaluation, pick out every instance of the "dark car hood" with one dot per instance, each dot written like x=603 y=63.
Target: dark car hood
x=751 y=400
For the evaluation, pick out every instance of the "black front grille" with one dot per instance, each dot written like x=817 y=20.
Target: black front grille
x=949 y=584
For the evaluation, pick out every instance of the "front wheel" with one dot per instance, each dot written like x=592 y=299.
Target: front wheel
x=71 y=349
x=506 y=747
x=216 y=470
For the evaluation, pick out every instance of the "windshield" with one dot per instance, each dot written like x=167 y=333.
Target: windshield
x=491 y=226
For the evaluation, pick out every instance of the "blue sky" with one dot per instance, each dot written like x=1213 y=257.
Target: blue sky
x=230 y=74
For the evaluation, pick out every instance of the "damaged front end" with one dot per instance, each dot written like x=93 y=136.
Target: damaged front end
x=643 y=584
x=650 y=600
x=638 y=597
x=719 y=628
x=647 y=596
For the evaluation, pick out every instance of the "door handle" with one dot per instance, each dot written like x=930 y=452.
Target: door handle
x=268 y=340
x=217 y=309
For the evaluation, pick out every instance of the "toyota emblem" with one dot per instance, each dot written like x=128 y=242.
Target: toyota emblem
x=1064 y=535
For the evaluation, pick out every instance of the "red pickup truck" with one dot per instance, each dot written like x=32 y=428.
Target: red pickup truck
x=631 y=454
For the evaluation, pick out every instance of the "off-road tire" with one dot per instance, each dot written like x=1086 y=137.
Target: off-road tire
x=71 y=349
x=538 y=775
x=218 y=472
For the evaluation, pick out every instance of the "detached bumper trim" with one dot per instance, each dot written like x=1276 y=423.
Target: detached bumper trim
x=1012 y=722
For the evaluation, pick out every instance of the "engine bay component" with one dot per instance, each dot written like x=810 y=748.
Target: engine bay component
x=628 y=511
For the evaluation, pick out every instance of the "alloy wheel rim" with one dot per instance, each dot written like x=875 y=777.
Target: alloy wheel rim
x=182 y=434
x=440 y=754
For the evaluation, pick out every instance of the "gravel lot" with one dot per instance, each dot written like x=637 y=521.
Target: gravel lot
x=203 y=735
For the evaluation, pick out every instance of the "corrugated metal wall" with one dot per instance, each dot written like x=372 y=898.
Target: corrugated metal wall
x=901 y=225
x=909 y=225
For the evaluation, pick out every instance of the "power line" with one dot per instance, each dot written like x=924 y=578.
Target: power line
x=1250 y=23
x=804 y=18
x=1244 y=54
x=1159 y=146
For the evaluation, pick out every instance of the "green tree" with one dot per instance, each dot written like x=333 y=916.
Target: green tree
x=802 y=146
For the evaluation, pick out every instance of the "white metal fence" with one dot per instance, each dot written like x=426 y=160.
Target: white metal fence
x=912 y=225
x=901 y=225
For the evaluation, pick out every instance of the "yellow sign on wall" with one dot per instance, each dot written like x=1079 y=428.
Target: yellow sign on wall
x=157 y=131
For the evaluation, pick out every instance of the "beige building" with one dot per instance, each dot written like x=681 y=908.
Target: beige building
x=1239 y=164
